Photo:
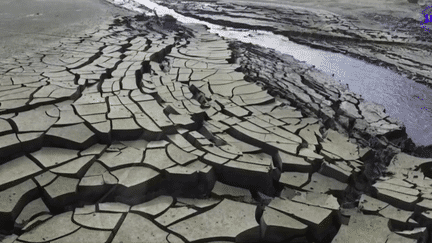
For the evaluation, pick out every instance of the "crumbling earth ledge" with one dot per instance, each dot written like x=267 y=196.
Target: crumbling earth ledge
x=149 y=131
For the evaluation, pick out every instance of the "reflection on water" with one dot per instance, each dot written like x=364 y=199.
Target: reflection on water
x=402 y=97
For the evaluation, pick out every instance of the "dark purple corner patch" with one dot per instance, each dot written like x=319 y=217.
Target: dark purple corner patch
x=427 y=12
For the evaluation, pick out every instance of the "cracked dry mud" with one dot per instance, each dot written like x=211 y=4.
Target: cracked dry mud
x=147 y=131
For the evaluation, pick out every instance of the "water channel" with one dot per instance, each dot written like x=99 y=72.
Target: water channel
x=402 y=98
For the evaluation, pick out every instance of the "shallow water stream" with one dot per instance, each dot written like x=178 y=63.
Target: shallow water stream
x=403 y=98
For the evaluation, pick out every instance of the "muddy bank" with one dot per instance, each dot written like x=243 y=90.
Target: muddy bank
x=395 y=41
x=306 y=24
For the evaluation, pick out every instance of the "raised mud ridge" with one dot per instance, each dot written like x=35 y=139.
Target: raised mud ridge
x=147 y=131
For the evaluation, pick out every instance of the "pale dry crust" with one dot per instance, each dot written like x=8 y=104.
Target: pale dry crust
x=27 y=25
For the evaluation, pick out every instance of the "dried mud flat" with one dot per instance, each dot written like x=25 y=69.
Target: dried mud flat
x=149 y=131
x=28 y=24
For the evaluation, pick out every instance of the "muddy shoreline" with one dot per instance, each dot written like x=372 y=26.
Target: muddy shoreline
x=344 y=34
x=400 y=44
